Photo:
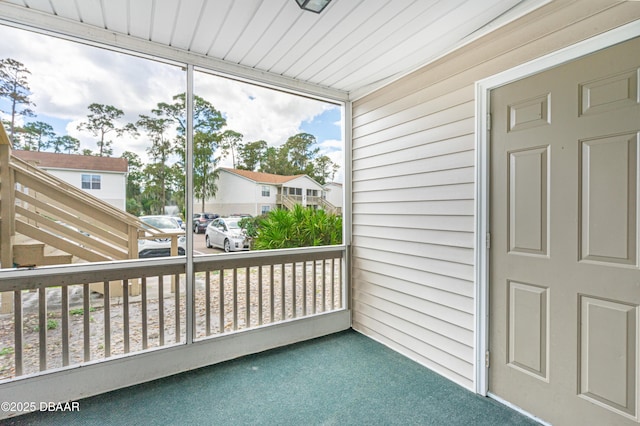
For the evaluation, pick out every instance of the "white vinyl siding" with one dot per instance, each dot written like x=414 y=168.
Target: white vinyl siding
x=414 y=187
x=239 y=195
x=110 y=187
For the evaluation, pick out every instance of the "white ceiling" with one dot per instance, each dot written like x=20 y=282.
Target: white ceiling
x=353 y=47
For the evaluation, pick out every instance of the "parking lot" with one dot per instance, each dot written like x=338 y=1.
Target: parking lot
x=199 y=247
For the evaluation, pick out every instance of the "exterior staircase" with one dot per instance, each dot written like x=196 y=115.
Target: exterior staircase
x=30 y=253
x=288 y=202
x=46 y=221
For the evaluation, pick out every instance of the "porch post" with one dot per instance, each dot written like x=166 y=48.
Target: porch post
x=7 y=215
x=132 y=244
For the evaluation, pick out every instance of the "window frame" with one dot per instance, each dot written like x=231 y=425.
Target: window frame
x=90 y=181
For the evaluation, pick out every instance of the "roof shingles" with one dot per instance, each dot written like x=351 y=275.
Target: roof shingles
x=73 y=161
x=262 y=177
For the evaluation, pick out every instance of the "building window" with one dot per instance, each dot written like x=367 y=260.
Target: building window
x=265 y=209
x=295 y=191
x=266 y=191
x=91 y=181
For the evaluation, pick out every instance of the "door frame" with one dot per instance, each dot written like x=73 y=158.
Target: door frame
x=482 y=195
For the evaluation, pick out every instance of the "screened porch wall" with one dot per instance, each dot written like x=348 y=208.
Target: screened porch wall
x=413 y=276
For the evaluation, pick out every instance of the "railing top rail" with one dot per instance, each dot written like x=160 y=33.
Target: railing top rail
x=267 y=257
x=28 y=279
x=34 y=278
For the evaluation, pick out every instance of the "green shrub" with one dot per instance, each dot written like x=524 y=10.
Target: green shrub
x=251 y=225
x=300 y=227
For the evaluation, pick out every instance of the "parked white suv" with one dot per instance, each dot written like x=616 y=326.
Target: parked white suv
x=160 y=247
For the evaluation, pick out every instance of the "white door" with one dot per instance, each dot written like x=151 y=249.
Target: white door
x=564 y=270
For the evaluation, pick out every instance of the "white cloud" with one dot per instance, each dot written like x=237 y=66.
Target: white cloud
x=256 y=112
x=66 y=77
x=333 y=149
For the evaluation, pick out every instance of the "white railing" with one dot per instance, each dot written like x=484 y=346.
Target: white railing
x=61 y=319
x=249 y=291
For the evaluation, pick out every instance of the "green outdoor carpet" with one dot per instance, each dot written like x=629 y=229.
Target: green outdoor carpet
x=341 y=379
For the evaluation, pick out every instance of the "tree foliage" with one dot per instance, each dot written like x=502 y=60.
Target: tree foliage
x=36 y=136
x=299 y=155
x=15 y=87
x=101 y=121
x=158 y=171
x=135 y=180
x=251 y=154
x=229 y=142
x=207 y=123
x=65 y=143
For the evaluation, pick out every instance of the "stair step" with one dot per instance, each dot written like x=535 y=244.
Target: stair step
x=32 y=253
x=58 y=259
x=28 y=254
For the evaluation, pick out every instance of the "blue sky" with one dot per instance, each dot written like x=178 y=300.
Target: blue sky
x=324 y=126
x=66 y=77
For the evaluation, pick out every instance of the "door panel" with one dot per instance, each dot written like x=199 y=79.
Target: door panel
x=608 y=206
x=608 y=374
x=528 y=323
x=564 y=273
x=528 y=214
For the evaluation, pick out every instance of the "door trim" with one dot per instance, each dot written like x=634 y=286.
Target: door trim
x=482 y=230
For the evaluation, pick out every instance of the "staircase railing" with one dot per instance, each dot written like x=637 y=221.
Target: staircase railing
x=287 y=201
x=327 y=206
x=47 y=209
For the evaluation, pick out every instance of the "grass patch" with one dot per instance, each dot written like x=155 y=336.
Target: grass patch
x=80 y=311
x=6 y=351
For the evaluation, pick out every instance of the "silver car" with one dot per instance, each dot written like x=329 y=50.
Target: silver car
x=225 y=233
x=160 y=247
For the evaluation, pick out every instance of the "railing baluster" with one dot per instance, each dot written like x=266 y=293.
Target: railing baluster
x=18 y=331
x=42 y=321
x=340 y=302
x=260 y=295
x=161 y=309
x=207 y=301
x=293 y=289
x=333 y=284
x=176 y=279
x=271 y=295
x=282 y=293
x=65 y=324
x=107 y=318
x=221 y=299
x=86 y=309
x=315 y=286
x=125 y=313
x=235 y=298
x=145 y=318
x=304 y=288
x=247 y=294
x=324 y=285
